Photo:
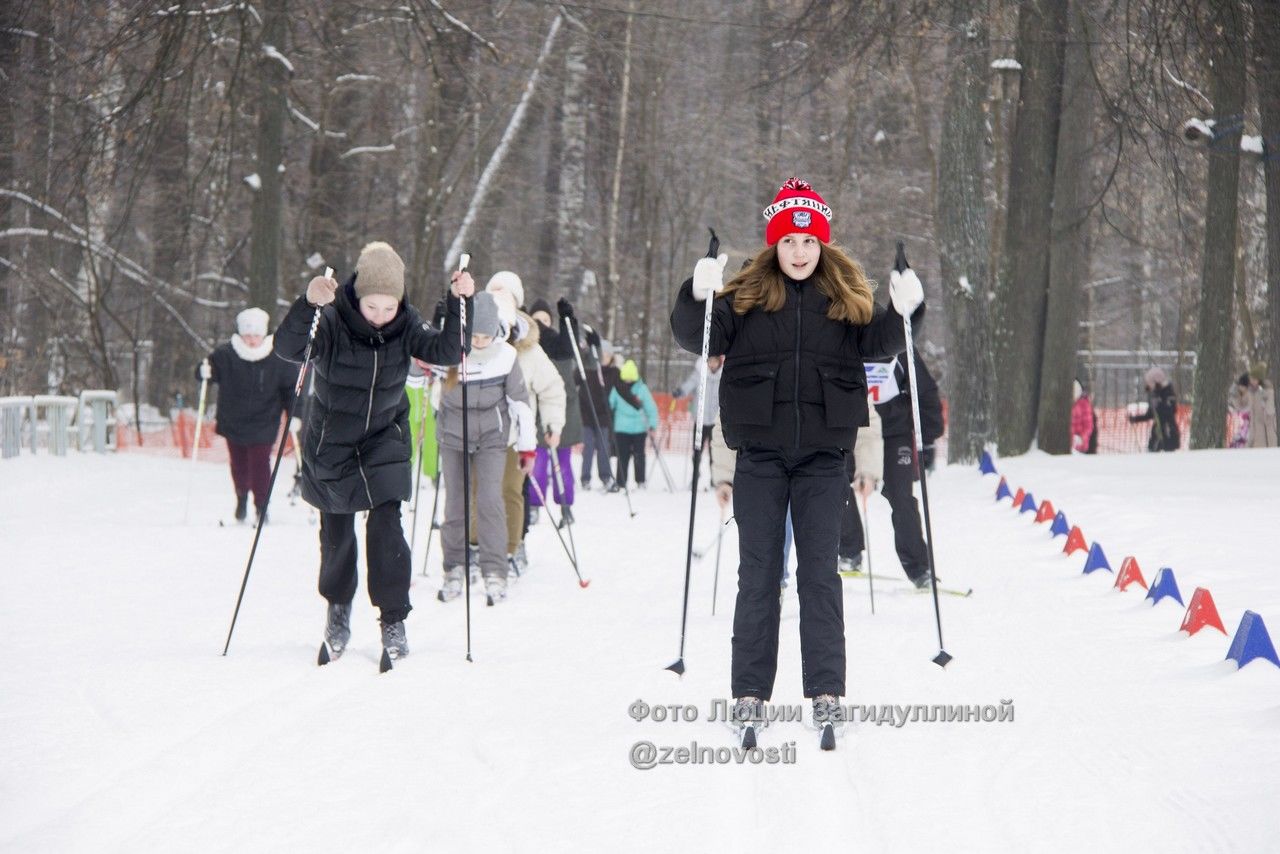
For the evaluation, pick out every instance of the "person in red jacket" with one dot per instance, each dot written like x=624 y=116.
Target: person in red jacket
x=1083 y=426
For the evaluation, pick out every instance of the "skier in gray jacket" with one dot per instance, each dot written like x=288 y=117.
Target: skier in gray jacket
x=496 y=399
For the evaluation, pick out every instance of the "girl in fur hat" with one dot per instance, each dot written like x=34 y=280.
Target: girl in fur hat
x=1162 y=412
x=254 y=389
x=357 y=447
x=795 y=325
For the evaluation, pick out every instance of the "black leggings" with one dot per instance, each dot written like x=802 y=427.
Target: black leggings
x=630 y=444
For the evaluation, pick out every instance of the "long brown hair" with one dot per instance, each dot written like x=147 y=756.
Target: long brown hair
x=837 y=277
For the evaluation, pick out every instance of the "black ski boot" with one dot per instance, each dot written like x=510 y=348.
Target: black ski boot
x=748 y=717
x=242 y=507
x=337 y=632
x=828 y=717
x=394 y=642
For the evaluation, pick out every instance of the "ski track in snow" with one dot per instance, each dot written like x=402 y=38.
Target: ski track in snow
x=123 y=728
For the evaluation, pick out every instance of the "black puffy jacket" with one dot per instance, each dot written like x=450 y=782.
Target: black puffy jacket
x=251 y=395
x=895 y=414
x=1162 y=412
x=357 y=444
x=793 y=378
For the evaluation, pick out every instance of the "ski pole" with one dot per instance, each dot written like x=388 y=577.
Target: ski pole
x=715 y=584
x=677 y=666
x=297 y=458
x=866 y=534
x=417 y=480
x=556 y=525
x=662 y=464
x=703 y=551
x=901 y=269
x=195 y=444
x=577 y=356
x=431 y=527
x=558 y=480
x=466 y=453
x=275 y=469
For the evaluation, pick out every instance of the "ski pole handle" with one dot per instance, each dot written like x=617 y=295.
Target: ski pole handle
x=311 y=337
x=463 y=260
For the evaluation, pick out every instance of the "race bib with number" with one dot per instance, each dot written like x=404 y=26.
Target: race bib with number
x=882 y=383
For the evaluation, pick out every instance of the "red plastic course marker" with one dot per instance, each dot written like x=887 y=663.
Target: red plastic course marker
x=1046 y=512
x=1017 y=498
x=1130 y=573
x=1075 y=542
x=1200 y=613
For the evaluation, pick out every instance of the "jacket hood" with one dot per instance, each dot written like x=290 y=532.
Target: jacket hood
x=532 y=335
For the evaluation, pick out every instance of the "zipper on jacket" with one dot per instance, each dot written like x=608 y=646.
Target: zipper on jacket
x=369 y=418
x=796 y=392
x=360 y=466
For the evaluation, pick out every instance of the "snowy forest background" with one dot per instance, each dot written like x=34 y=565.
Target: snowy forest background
x=1093 y=175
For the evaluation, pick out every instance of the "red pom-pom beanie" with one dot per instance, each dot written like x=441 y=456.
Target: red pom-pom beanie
x=797 y=209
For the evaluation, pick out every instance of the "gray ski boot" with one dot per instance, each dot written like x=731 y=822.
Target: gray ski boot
x=337 y=629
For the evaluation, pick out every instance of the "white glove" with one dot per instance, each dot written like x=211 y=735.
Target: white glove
x=206 y=370
x=295 y=424
x=905 y=291
x=708 y=277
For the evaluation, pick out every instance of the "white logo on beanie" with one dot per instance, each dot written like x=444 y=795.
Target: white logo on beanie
x=801 y=219
x=797 y=202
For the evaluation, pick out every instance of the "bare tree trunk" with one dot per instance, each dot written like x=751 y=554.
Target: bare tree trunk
x=1024 y=272
x=1214 y=328
x=1266 y=44
x=268 y=201
x=610 y=307
x=171 y=218
x=333 y=179
x=10 y=63
x=1069 y=250
x=485 y=181
x=570 y=215
x=766 y=181
x=441 y=129
x=963 y=234
x=548 y=236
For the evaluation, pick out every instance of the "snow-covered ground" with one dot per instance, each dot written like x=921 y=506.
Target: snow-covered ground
x=123 y=728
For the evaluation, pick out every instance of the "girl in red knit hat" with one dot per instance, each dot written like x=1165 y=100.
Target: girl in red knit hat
x=795 y=325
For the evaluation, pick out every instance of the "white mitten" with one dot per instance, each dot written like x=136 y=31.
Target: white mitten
x=206 y=370
x=905 y=291
x=708 y=276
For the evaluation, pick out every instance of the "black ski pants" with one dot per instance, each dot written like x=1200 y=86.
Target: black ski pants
x=814 y=483
x=388 y=560
x=631 y=447
x=908 y=537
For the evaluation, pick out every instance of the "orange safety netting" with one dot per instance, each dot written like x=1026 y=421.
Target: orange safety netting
x=176 y=439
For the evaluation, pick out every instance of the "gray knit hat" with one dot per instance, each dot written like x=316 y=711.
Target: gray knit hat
x=379 y=271
x=483 y=317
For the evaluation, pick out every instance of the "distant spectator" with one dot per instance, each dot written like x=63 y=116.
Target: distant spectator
x=1261 y=408
x=1084 y=427
x=1239 y=403
x=1162 y=410
x=631 y=424
x=254 y=389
